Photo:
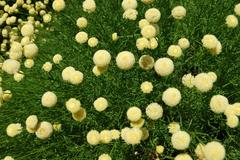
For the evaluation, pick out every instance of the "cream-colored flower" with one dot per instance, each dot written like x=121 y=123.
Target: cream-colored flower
x=101 y=58
x=146 y=62
x=73 y=105
x=130 y=14
x=148 y=31
x=180 y=140
x=183 y=156
x=199 y=151
x=57 y=58
x=30 y=50
x=27 y=30
x=93 y=137
x=104 y=157
x=47 y=66
x=58 y=5
x=105 y=136
x=154 y=111
x=32 y=122
x=29 y=63
x=49 y=99
x=14 y=129
x=179 y=12
x=93 y=42
x=89 y=6
x=174 y=127
x=129 y=4
x=100 y=104
x=115 y=134
x=164 y=66
x=138 y=124
x=231 y=21
x=134 y=114
x=80 y=115
x=214 y=151
x=82 y=22
x=184 y=43
x=152 y=15
x=44 y=130
x=18 y=76
x=142 y=43
x=125 y=60
x=188 y=80
x=174 y=51
x=171 y=97
x=11 y=66
x=81 y=37
x=146 y=87
x=232 y=121
x=203 y=82
x=218 y=104
x=159 y=149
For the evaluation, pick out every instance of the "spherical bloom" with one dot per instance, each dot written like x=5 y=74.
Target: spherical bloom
x=57 y=58
x=73 y=105
x=58 y=5
x=115 y=36
x=125 y=60
x=183 y=156
x=142 y=23
x=174 y=51
x=97 y=71
x=173 y=127
x=179 y=12
x=214 y=151
x=100 y=104
x=218 y=103
x=217 y=50
x=44 y=130
x=159 y=149
x=27 y=30
x=7 y=95
x=209 y=41
x=180 y=140
x=15 y=55
x=93 y=42
x=104 y=157
x=29 y=63
x=152 y=15
x=203 y=82
x=18 y=76
x=148 y=31
x=25 y=40
x=184 y=43
x=105 y=136
x=132 y=136
x=231 y=21
x=154 y=111
x=47 y=66
x=237 y=9
x=232 y=121
x=30 y=50
x=67 y=73
x=8 y=158
x=171 y=97
x=81 y=37
x=236 y=107
x=153 y=43
x=146 y=87
x=138 y=124
x=15 y=50
x=146 y=62
x=80 y=115
x=213 y=76
x=102 y=58
x=76 y=77
x=199 y=151
x=130 y=14
x=134 y=114
x=47 y=18
x=115 y=134
x=188 y=80
x=164 y=66
x=89 y=6
x=14 y=129
x=10 y=66
x=129 y=4
x=82 y=22
x=49 y=99
x=93 y=137
x=32 y=122
x=142 y=43
x=229 y=110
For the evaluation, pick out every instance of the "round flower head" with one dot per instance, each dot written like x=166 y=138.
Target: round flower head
x=93 y=42
x=184 y=43
x=29 y=63
x=180 y=140
x=79 y=115
x=47 y=18
x=199 y=151
x=159 y=149
x=97 y=71
x=57 y=127
x=82 y=22
x=232 y=121
x=49 y=99
x=93 y=137
x=130 y=14
x=209 y=41
x=102 y=58
x=174 y=51
x=213 y=76
x=142 y=43
x=47 y=66
x=146 y=87
x=146 y=62
x=231 y=21
x=164 y=66
x=129 y=4
x=7 y=95
x=89 y=6
x=81 y=37
x=237 y=9
x=147 y=1
x=115 y=37
x=154 y=111
x=16 y=47
x=179 y=12
x=104 y=157
x=8 y=158
x=32 y=122
x=133 y=136
x=145 y=134
x=217 y=50
x=152 y=15
x=125 y=60
x=134 y=114
x=25 y=40
x=57 y=58
x=183 y=156
x=171 y=97
x=44 y=130
x=229 y=110
x=10 y=66
x=67 y=73
x=105 y=136
x=173 y=127
x=27 y=30
x=15 y=55
x=153 y=44
x=14 y=129
x=188 y=80
x=100 y=104
x=214 y=151
x=115 y=134
x=18 y=76
x=138 y=124
x=236 y=107
x=30 y=50
x=148 y=31
x=76 y=77
x=142 y=23
x=203 y=82
x=73 y=105
x=218 y=103
x=58 y=5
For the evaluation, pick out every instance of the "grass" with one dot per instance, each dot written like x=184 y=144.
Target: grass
x=122 y=88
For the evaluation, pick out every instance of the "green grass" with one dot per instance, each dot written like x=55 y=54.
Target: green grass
x=122 y=88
